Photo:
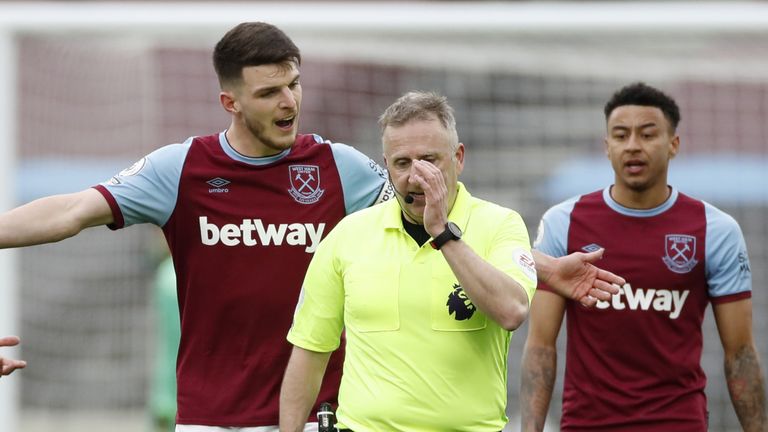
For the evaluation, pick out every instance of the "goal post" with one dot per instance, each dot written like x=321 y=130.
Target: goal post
x=89 y=87
x=8 y=294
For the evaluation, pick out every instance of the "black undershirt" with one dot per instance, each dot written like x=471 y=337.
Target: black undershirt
x=416 y=231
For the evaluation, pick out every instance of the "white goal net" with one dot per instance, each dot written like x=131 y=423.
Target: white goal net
x=94 y=86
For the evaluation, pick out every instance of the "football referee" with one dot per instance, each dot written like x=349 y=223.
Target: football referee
x=428 y=288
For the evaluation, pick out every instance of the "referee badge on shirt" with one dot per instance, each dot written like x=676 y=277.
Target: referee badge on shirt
x=680 y=252
x=305 y=183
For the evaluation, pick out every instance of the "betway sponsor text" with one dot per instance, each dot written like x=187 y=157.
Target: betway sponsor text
x=252 y=232
x=660 y=300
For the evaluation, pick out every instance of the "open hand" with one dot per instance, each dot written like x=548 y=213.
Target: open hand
x=575 y=277
x=9 y=365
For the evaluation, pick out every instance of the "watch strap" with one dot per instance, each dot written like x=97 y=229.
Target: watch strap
x=444 y=237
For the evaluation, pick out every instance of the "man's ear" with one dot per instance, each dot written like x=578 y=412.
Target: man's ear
x=228 y=101
x=674 y=146
x=459 y=155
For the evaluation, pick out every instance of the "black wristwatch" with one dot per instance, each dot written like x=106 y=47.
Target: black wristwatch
x=452 y=232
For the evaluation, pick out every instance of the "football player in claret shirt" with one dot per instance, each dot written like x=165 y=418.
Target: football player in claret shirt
x=678 y=254
x=242 y=211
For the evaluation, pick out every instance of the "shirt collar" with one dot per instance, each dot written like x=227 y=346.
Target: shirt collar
x=661 y=208
x=234 y=154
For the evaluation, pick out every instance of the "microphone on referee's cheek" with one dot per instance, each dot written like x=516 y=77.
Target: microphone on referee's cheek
x=408 y=198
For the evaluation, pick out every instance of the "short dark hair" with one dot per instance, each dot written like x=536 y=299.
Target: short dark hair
x=642 y=94
x=252 y=44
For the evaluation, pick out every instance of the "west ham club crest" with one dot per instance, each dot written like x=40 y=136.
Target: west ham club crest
x=680 y=252
x=305 y=183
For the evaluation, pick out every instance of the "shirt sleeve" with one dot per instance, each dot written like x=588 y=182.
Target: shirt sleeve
x=727 y=263
x=146 y=192
x=363 y=181
x=319 y=317
x=552 y=233
x=511 y=253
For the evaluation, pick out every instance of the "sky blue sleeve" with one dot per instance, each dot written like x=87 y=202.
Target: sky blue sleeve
x=146 y=192
x=727 y=263
x=363 y=181
x=552 y=235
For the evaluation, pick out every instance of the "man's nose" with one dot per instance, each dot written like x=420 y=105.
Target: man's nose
x=287 y=98
x=412 y=175
x=633 y=142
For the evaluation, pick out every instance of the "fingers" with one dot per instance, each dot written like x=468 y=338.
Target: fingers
x=606 y=287
x=606 y=284
x=9 y=341
x=9 y=365
x=429 y=176
x=431 y=181
x=600 y=292
x=588 y=301
x=591 y=257
x=593 y=296
x=605 y=275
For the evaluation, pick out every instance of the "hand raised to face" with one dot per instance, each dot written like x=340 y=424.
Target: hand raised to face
x=430 y=179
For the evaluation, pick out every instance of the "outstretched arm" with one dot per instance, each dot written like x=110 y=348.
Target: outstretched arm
x=575 y=277
x=743 y=373
x=9 y=365
x=53 y=218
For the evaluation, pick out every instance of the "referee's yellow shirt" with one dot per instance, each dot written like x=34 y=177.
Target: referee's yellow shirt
x=418 y=357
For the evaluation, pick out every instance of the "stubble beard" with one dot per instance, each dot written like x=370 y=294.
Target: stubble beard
x=257 y=130
x=410 y=215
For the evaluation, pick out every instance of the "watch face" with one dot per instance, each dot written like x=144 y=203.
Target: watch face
x=455 y=230
x=452 y=232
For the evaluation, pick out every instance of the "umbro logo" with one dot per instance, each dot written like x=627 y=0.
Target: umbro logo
x=218 y=184
x=591 y=247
